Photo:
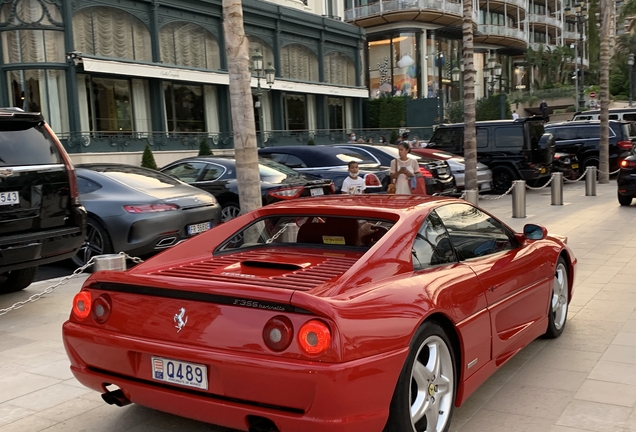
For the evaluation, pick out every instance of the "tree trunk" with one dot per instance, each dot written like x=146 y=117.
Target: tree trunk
x=606 y=15
x=470 y=139
x=241 y=107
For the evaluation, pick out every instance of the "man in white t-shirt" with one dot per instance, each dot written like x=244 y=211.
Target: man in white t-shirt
x=515 y=116
x=353 y=184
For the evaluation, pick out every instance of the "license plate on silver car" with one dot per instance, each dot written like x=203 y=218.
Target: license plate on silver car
x=180 y=372
x=198 y=228
x=9 y=198
x=317 y=191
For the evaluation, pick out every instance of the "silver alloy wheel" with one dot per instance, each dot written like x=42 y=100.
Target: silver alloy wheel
x=93 y=245
x=230 y=212
x=432 y=386
x=560 y=296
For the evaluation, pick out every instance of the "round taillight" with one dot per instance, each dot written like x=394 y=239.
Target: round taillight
x=314 y=337
x=278 y=333
x=101 y=308
x=82 y=304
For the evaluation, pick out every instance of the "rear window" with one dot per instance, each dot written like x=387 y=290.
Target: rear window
x=139 y=178
x=574 y=132
x=27 y=143
x=309 y=230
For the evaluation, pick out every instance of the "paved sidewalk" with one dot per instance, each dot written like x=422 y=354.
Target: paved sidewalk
x=583 y=381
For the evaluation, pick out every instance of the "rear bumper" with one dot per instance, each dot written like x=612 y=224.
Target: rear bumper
x=296 y=395
x=626 y=184
x=42 y=247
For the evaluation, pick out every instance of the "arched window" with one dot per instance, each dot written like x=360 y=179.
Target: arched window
x=299 y=63
x=189 y=45
x=110 y=32
x=339 y=69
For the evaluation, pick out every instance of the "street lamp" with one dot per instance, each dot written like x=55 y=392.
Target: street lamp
x=492 y=74
x=579 y=13
x=269 y=75
x=630 y=62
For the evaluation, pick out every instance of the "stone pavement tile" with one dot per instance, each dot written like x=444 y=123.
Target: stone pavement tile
x=106 y=418
x=625 y=338
x=476 y=401
x=70 y=409
x=607 y=295
x=549 y=377
x=60 y=369
x=625 y=304
x=566 y=429
x=622 y=373
x=595 y=416
x=620 y=354
x=31 y=350
x=167 y=422
x=582 y=296
x=28 y=424
x=48 y=397
x=532 y=401
x=630 y=326
x=565 y=359
x=73 y=382
x=616 y=289
x=495 y=421
x=10 y=341
x=42 y=359
x=607 y=393
x=51 y=331
x=11 y=413
x=622 y=278
x=601 y=315
x=20 y=384
x=633 y=316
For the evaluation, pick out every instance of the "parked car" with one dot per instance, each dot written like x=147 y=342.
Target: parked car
x=568 y=164
x=621 y=114
x=139 y=211
x=512 y=149
x=380 y=311
x=582 y=138
x=41 y=218
x=330 y=163
x=626 y=181
x=457 y=165
x=437 y=174
x=217 y=175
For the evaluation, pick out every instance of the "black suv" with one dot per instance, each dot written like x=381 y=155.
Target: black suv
x=512 y=149
x=41 y=219
x=582 y=138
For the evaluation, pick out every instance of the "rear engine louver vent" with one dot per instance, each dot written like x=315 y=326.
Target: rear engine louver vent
x=301 y=279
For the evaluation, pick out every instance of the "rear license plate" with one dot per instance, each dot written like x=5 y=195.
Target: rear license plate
x=180 y=372
x=484 y=186
x=9 y=198
x=575 y=166
x=317 y=191
x=441 y=170
x=199 y=228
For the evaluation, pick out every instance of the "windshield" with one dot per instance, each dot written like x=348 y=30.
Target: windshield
x=324 y=231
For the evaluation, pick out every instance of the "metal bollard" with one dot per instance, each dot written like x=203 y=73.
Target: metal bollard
x=472 y=196
x=590 y=181
x=114 y=262
x=519 y=199
x=557 y=188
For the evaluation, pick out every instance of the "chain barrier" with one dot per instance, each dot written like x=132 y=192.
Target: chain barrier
x=541 y=187
x=78 y=271
x=578 y=179
x=488 y=197
x=603 y=172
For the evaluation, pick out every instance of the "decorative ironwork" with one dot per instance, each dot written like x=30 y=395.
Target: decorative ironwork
x=46 y=20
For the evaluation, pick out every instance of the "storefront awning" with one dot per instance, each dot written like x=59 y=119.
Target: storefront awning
x=204 y=77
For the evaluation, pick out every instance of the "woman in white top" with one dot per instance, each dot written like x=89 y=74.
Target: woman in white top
x=403 y=169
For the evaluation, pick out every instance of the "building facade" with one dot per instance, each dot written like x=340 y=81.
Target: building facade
x=414 y=45
x=115 y=75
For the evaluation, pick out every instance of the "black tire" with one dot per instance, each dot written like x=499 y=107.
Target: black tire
x=17 y=280
x=97 y=242
x=229 y=211
x=502 y=178
x=624 y=200
x=428 y=380
x=558 y=311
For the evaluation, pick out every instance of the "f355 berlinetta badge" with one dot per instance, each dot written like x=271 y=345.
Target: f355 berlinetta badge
x=180 y=319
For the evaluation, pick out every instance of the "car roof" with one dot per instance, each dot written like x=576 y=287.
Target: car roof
x=321 y=155
x=394 y=204
x=581 y=123
x=520 y=120
x=610 y=110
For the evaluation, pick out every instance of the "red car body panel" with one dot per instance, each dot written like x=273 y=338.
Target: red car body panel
x=373 y=301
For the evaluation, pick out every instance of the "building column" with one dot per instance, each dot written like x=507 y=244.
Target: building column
x=155 y=85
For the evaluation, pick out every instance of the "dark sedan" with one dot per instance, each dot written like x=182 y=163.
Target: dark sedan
x=331 y=163
x=217 y=175
x=626 y=181
x=437 y=174
x=139 y=211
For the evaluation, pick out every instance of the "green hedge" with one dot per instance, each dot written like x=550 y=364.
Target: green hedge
x=387 y=112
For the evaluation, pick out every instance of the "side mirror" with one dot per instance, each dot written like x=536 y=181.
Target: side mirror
x=534 y=232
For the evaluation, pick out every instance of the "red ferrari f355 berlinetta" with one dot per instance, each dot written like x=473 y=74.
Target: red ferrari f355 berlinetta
x=342 y=313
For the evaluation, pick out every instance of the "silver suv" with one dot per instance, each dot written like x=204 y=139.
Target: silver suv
x=41 y=219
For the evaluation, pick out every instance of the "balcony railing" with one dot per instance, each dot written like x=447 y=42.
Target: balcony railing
x=385 y=6
x=519 y=3
x=502 y=31
x=571 y=35
x=545 y=19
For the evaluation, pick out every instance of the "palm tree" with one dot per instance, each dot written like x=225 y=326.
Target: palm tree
x=241 y=109
x=470 y=139
x=605 y=14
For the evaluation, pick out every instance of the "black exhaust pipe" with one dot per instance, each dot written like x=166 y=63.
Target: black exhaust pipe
x=260 y=424
x=116 y=397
